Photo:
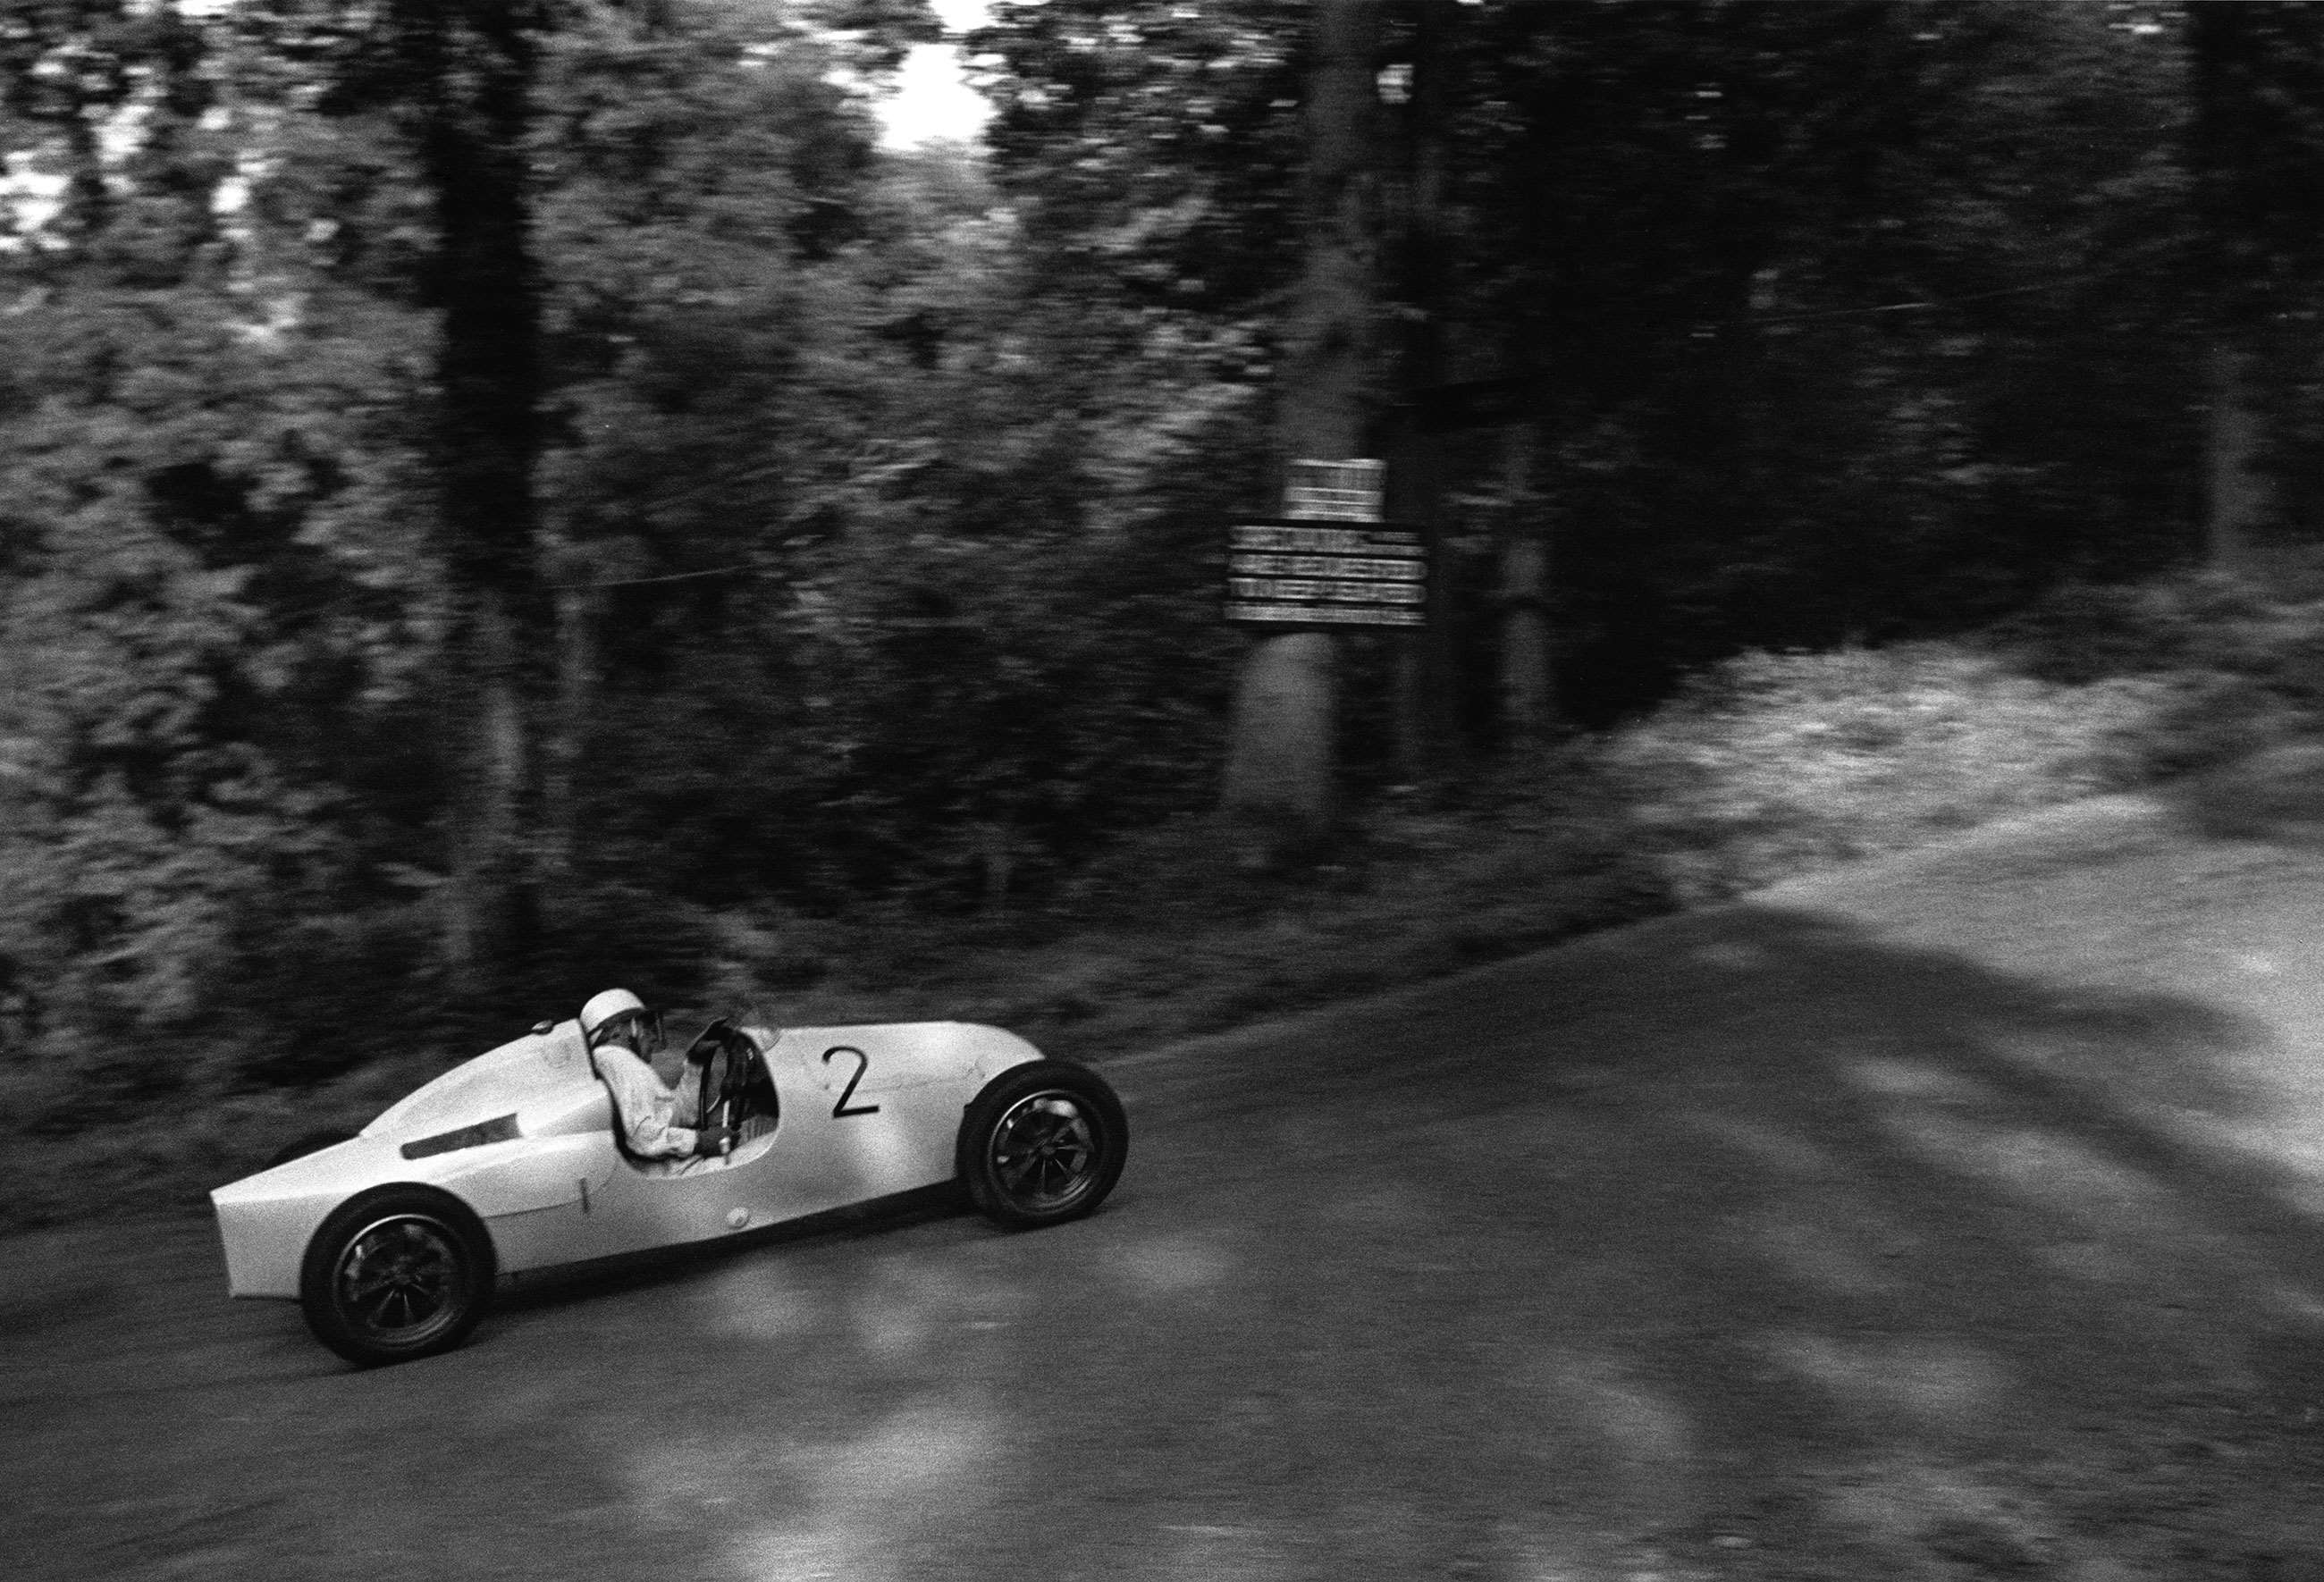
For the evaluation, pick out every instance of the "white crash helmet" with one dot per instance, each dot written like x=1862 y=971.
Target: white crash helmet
x=605 y=1013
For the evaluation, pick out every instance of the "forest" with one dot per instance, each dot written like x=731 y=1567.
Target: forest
x=506 y=497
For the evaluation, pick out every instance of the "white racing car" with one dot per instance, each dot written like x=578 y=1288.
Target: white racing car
x=392 y=1240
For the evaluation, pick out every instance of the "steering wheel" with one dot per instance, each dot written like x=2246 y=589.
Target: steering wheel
x=725 y=1072
x=711 y=1038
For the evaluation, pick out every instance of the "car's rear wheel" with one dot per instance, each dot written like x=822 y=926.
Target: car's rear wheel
x=402 y=1272
x=1042 y=1143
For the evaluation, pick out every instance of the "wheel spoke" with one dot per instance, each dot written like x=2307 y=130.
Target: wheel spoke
x=1045 y=1150
x=375 y=1312
x=397 y=1277
x=359 y=1290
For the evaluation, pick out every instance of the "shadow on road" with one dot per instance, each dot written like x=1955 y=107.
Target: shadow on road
x=1755 y=1242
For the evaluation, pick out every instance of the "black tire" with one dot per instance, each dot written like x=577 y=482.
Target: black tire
x=1042 y=1143
x=400 y=1273
x=312 y=1143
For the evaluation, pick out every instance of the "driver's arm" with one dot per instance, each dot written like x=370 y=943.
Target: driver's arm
x=636 y=1093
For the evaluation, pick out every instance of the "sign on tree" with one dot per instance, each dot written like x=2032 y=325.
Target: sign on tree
x=1281 y=571
x=1286 y=571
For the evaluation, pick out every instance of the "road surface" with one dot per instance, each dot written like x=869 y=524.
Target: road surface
x=1948 y=1218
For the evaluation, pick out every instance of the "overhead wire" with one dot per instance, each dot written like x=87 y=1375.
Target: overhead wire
x=635 y=582
x=2050 y=285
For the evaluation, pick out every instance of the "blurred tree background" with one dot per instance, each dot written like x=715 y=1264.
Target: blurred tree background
x=504 y=497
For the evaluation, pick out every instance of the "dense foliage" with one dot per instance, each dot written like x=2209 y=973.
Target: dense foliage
x=858 y=507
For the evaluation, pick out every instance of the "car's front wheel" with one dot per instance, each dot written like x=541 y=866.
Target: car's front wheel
x=402 y=1272
x=1042 y=1143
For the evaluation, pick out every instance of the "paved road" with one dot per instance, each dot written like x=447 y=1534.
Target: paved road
x=1947 y=1219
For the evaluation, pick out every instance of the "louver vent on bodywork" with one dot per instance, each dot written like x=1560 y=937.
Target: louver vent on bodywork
x=499 y=1129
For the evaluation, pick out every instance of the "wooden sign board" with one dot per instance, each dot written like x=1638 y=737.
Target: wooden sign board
x=1291 y=571
x=1334 y=492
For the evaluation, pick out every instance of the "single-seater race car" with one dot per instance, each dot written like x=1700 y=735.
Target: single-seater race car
x=392 y=1240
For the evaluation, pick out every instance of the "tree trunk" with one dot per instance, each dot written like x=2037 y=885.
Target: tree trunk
x=479 y=62
x=2250 y=68
x=1281 y=753
x=1528 y=707
x=1284 y=772
x=1423 y=705
x=565 y=747
x=490 y=766
x=1428 y=735
x=2237 y=493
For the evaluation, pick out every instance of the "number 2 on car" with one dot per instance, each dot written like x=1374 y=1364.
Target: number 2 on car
x=863 y=1064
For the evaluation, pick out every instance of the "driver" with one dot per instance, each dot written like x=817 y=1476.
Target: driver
x=622 y=1035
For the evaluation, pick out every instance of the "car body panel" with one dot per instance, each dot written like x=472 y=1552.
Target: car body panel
x=862 y=1112
x=531 y=1070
